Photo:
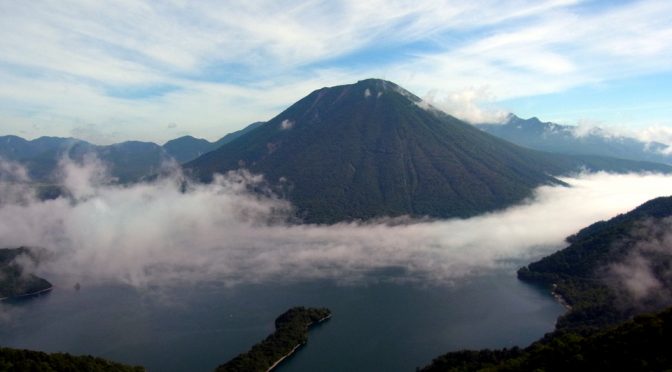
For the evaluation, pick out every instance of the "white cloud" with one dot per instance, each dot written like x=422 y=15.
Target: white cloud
x=13 y=178
x=149 y=234
x=468 y=105
x=286 y=124
x=636 y=277
x=203 y=107
x=656 y=133
x=556 y=50
x=229 y=64
x=643 y=276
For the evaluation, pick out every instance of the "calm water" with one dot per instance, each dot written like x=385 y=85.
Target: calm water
x=375 y=327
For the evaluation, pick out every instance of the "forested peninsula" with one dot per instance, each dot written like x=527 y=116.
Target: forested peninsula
x=291 y=332
x=15 y=282
x=608 y=325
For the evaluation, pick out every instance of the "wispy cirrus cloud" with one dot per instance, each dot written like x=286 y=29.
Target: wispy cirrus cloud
x=134 y=66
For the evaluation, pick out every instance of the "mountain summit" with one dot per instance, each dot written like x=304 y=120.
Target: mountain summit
x=373 y=149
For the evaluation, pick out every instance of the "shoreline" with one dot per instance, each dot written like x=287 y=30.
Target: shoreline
x=36 y=293
x=321 y=320
x=561 y=300
x=277 y=362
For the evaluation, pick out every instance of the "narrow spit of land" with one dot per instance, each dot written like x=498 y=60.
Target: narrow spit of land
x=291 y=332
x=15 y=282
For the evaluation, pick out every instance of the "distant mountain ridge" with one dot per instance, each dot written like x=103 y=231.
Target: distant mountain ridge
x=188 y=148
x=373 y=149
x=128 y=161
x=551 y=137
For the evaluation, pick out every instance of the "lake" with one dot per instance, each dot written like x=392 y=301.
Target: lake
x=376 y=325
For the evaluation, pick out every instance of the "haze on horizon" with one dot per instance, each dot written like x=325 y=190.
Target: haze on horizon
x=157 y=70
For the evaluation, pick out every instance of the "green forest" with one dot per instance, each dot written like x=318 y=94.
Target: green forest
x=27 y=360
x=291 y=331
x=579 y=272
x=605 y=329
x=641 y=344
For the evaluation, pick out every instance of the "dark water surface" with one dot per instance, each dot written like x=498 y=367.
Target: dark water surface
x=375 y=327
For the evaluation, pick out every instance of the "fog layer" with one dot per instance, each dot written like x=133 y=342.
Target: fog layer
x=167 y=231
x=644 y=276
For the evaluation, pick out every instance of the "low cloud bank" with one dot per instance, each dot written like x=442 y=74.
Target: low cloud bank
x=170 y=231
x=644 y=276
x=657 y=138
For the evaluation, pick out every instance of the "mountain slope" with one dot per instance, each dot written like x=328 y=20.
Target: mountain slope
x=612 y=269
x=372 y=149
x=538 y=135
x=233 y=135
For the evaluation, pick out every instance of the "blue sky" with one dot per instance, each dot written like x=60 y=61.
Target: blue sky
x=151 y=70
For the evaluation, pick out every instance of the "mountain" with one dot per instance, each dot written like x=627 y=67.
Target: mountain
x=188 y=148
x=39 y=156
x=545 y=136
x=594 y=273
x=127 y=161
x=16 y=148
x=132 y=160
x=373 y=149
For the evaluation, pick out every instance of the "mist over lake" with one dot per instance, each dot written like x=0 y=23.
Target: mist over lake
x=170 y=283
x=171 y=232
